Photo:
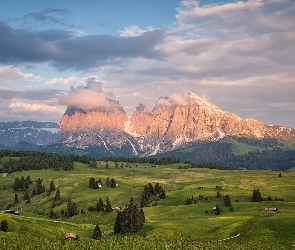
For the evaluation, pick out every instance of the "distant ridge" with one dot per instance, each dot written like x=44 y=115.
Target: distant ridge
x=39 y=133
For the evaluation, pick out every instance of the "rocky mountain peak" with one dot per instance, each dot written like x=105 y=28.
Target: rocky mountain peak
x=175 y=121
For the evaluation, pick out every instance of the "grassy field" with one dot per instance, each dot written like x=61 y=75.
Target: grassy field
x=168 y=224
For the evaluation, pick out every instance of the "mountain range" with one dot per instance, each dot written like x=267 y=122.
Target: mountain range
x=173 y=124
x=187 y=128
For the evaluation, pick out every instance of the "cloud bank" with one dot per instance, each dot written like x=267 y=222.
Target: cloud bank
x=87 y=98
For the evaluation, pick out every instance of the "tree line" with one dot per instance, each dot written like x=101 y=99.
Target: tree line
x=30 y=160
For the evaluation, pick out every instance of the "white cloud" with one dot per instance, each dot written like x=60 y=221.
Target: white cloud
x=72 y=80
x=134 y=30
x=20 y=106
x=10 y=74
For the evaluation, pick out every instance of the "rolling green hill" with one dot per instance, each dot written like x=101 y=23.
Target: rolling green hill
x=171 y=224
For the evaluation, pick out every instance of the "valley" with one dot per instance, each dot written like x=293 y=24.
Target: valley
x=171 y=220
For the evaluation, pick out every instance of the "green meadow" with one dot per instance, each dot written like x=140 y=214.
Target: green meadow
x=171 y=224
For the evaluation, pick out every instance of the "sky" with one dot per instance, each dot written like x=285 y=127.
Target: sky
x=239 y=55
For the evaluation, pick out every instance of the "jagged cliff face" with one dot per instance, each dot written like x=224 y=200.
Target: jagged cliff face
x=102 y=127
x=170 y=125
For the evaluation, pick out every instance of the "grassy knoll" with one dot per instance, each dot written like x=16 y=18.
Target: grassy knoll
x=171 y=224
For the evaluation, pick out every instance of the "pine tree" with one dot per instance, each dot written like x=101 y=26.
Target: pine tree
x=4 y=226
x=117 y=226
x=27 y=197
x=227 y=201
x=131 y=219
x=113 y=183
x=151 y=191
x=162 y=195
x=256 y=196
x=157 y=188
x=100 y=206
x=16 y=184
x=108 y=181
x=144 y=199
x=52 y=187
x=92 y=183
x=16 y=199
x=57 y=195
x=218 y=195
x=39 y=189
x=217 y=210
x=96 y=233
x=71 y=208
x=108 y=207
x=28 y=180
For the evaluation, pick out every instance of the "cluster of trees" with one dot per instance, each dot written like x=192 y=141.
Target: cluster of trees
x=151 y=194
x=22 y=184
x=130 y=219
x=30 y=160
x=209 y=165
x=110 y=182
x=100 y=206
x=155 y=161
x=192 y=199
x=256 y=197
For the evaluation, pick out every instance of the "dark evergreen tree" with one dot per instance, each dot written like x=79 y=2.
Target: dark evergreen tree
x=52 y=215
x=188 y=201
x=96 y=233
x=108 y=206
x=39 y=189
x=28 y=180
x=218 y=195
x=158 y=189
x=132 y=219
x=71 y=208
x=52 y=187
x=151 y=191
x=218 y=210
x=16 y=199
x=144 y=199
x=53 y=204
x=16 y=184
x=57 y=195
x=27 y=197
x=162 y=195
x=100 y=206
x=113 y=183
x=108 y=181
x=227 y=201
x=92 y=183
x=256 y=196
x=4 y=226
x=117 y=226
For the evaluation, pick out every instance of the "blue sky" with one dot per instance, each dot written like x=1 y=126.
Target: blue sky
x=239 y=55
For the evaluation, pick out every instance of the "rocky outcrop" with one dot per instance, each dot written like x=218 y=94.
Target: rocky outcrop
x=102 y=127
x=170 y=125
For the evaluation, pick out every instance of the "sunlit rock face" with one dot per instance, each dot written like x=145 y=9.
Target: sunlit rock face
x=170 y=125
